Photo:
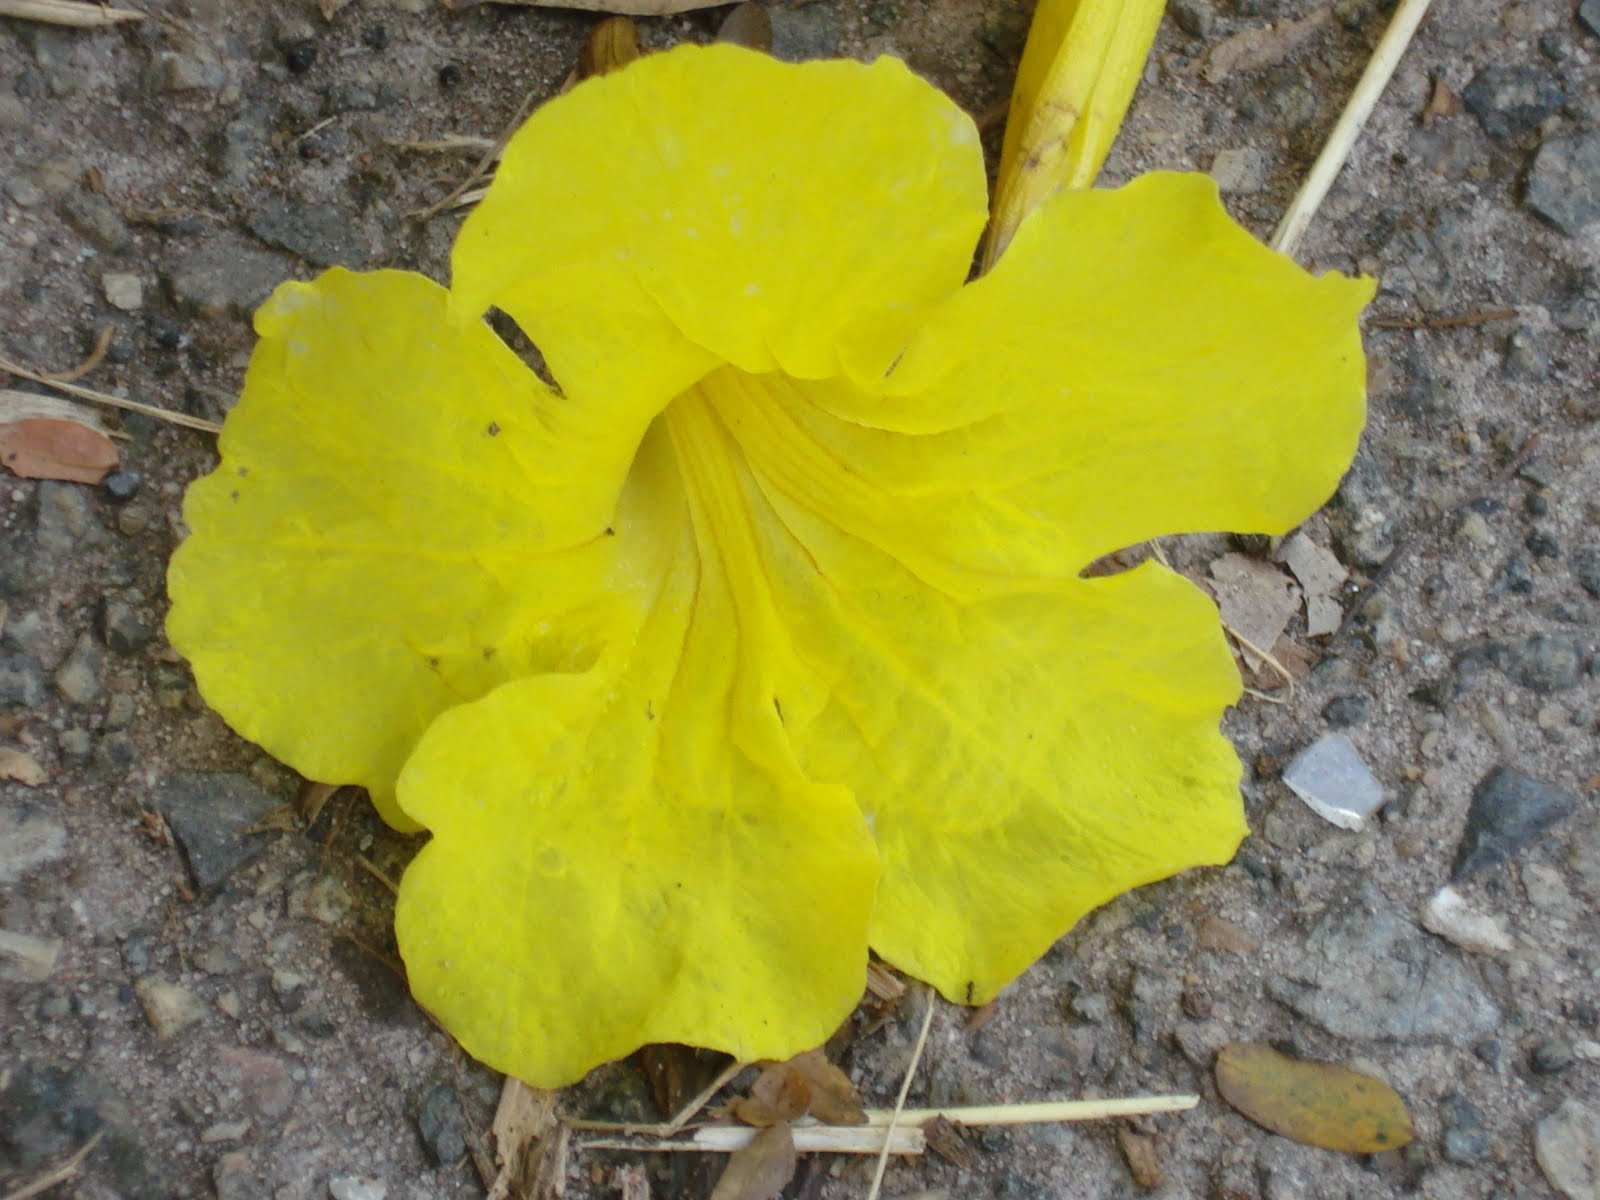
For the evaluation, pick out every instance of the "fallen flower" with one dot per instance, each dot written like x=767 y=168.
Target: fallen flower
x=765 y=638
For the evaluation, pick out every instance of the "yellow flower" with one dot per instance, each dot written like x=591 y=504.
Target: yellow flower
x=764 y=639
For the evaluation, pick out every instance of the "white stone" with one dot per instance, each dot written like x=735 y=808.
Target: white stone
x=354 y=1187
x=1449 y=916
x=124 y=291
x=1331 y=778
x=1567 y=1145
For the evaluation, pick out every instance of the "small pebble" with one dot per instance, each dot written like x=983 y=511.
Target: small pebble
x=1448 y=915
x=123 y=290
x=1551 y=1056
x=121 y=486
x=169 y=1008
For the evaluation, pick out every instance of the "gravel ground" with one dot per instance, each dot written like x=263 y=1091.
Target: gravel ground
x=223 y=1009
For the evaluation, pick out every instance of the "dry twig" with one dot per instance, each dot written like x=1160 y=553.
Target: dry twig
x=110 y=401
x=68 y=12
x=57 y=1175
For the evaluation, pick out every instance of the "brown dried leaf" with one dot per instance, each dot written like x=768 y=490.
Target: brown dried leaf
x=762 y=1169
x=833 y=1097
x=1320 y=1104
x=1143 y=1163
x=1441 y=103
x=42 y=438
x=329 y=7
x=945 y=1140
x=20 y=768
x=747 y=25
x=780 y=1093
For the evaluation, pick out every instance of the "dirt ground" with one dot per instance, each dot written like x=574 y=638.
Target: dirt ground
x=231 y=1022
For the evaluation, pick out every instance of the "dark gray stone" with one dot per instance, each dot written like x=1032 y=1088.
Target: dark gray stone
x=443 y=1125
x=1589 y=16
x=802 y=33
x=1586 y=569
x=1552 y=1056
x=208 y=815
x=1544 y=662
x=1344 y=711
x=318 y=233
x=1512 y=101
x=1464 y=1139
x=124 y=632
x=1508 y=810
x=1368 y=972
x=1194 y=17
x=21 y=685
x=1564 y=184
x=225 y=275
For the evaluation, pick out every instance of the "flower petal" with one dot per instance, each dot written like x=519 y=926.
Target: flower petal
x=1135 y=365
x=1025 y=749
x=401 y=514
x=711 y=204
x=616 y=861
x=1079 y=68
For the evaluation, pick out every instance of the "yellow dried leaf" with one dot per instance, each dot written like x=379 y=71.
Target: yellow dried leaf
x=1320 y=1104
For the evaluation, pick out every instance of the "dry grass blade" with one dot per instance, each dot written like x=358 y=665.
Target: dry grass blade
x=57 y=1175
x=96 y=355
x=1343 y=138
x=900 y=1100
x=68 y=12
x=83 y=393
x=808 y=1139
x=628 y=8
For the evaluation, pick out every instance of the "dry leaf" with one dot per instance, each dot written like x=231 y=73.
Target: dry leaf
x=945 y=1140
x=1320 y=574
x=747 y=25
x=762 y=1169
x=1140 y=1152
x=1319 y=1104
x=612 y=44
x=1256 y=600
x=20 y=768
x=329 y=7
x=45 y=438
x=780 y=1093
x=1263 y=47
x=1441 y=103
x=833 y=1097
